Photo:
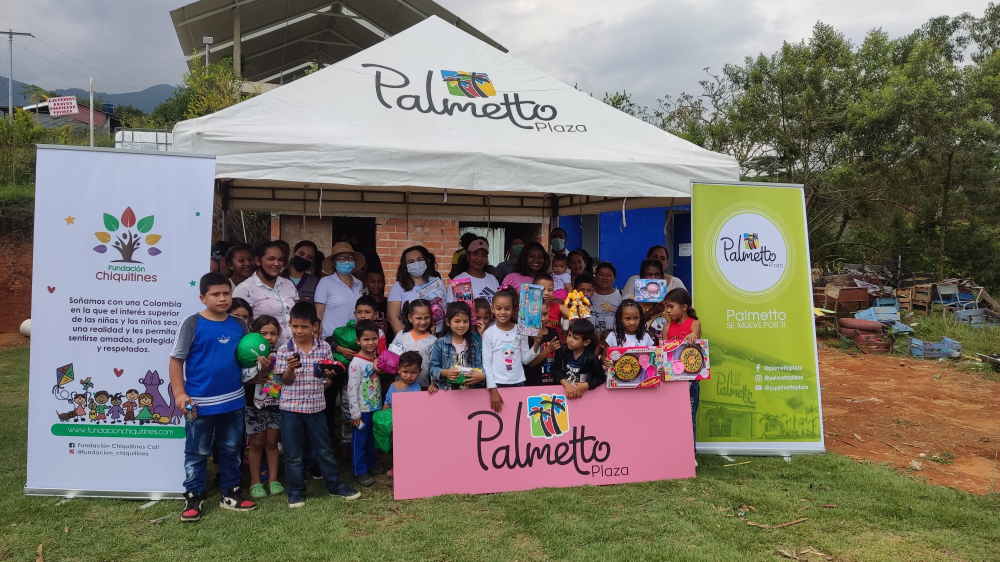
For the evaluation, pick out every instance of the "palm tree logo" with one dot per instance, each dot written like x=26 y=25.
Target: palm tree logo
x=468 y=84
x=127 y=234
x=548 y=415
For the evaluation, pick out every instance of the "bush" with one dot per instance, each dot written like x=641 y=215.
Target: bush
x=17 y=210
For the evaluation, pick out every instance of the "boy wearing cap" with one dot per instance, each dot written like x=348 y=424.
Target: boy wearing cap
x=484 y=286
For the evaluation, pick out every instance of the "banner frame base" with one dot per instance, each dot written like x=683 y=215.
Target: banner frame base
x=766 y=449
x=112 y=494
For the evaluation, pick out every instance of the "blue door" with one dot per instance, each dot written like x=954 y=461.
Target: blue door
x=682 y=235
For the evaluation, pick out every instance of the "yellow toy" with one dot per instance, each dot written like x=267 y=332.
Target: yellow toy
x=578 y=304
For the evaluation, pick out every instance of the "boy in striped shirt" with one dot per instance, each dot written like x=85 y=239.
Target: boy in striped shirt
x=300 y=364
x=204 y=375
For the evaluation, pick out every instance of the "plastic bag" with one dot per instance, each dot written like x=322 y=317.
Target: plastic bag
x=345 y=336
x=382 y=428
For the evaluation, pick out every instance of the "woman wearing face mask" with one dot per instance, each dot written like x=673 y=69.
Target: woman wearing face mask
x=337 y=294
x=416 y=279
x=507 y=266
x=557 y=243
x=299 y=270
x=266 y=291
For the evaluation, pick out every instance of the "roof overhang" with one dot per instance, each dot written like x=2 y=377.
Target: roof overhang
x=280 y=39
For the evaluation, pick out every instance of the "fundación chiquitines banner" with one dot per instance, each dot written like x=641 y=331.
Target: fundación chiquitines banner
x=539 y=439
x=120 y=243
x=753 y=294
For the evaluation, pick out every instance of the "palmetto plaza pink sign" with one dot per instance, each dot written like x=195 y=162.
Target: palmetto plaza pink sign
x=539 y=439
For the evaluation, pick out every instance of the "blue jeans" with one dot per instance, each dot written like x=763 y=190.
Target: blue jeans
x=296 y=428
x=363 y=446
x=695 y=393
x=227 y=430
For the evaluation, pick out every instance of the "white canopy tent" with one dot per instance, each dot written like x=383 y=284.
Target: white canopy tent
x=434 y=117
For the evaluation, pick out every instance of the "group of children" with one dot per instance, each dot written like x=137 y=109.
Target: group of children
x=488 y=353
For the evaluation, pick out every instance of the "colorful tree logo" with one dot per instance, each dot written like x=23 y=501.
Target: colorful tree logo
x=127 y=241
x=548 y=414
x=468 y=84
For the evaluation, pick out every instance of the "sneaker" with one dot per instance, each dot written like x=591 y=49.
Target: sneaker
x=365 y=479
x=314 y=472
x=257 y=491
x=342 y=491
x=192 y=507
x=376 y=470
x=233 y=499
x=276 y=488
x=296 y=501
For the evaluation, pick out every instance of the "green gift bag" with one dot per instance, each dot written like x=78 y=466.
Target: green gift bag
x=382 y=427
x=346 y=336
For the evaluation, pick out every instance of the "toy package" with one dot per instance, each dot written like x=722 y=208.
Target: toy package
x=686 y=361
x=529 y=313
x=461 y=290
x=650 y=290
x=634 y=367
x=579 y=305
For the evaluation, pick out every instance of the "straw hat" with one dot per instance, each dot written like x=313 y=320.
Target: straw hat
x=342 y=248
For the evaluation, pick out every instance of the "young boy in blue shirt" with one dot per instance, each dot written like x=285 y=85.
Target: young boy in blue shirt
x=204 y=374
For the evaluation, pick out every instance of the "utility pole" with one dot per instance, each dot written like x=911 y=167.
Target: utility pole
x=10 y=33
x=91 y=112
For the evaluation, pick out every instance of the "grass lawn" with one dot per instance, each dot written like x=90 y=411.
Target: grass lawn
x=879 y=516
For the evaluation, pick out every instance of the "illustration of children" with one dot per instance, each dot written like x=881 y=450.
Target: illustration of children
x=145 y=413
x=80 y=414
x=130 y=406
x=509 y=352
x=102 y=397
x=116 y=411
x=93 y=410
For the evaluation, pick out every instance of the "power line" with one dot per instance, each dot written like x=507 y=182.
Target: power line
x=25 y=48
x=87 y=65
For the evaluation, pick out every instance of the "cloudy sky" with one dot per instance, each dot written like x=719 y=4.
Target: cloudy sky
x=649 y=47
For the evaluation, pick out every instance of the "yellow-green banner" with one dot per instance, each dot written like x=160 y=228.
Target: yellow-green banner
x=753 y=294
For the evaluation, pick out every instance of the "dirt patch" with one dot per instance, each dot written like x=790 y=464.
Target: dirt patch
x=902 y=407
x=15 y=284
x=13 y=341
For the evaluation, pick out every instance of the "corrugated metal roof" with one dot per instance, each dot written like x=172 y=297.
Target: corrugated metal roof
x=280 y=35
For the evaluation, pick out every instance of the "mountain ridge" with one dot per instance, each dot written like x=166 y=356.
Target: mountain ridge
x=145 y=100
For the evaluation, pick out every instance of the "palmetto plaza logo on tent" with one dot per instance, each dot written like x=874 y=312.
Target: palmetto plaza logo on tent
x=468 y=84
x=548 y=414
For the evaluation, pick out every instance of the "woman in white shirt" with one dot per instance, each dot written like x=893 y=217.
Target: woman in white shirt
x=660 y=254
x=416 y=278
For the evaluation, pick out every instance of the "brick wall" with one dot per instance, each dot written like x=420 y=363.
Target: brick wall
x=439 y=236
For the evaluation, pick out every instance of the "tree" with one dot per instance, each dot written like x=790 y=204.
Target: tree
x=794 y=403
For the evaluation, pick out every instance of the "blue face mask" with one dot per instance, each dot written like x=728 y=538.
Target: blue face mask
x=557 y=244
x=345 y=268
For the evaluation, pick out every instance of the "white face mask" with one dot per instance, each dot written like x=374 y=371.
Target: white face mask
x=417 y=268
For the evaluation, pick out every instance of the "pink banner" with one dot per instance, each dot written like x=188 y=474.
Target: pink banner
x=452 y=443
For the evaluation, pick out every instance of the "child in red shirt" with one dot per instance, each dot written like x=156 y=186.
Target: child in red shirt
x=684 y=326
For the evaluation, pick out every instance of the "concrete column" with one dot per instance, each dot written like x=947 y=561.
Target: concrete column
x=237 y=67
